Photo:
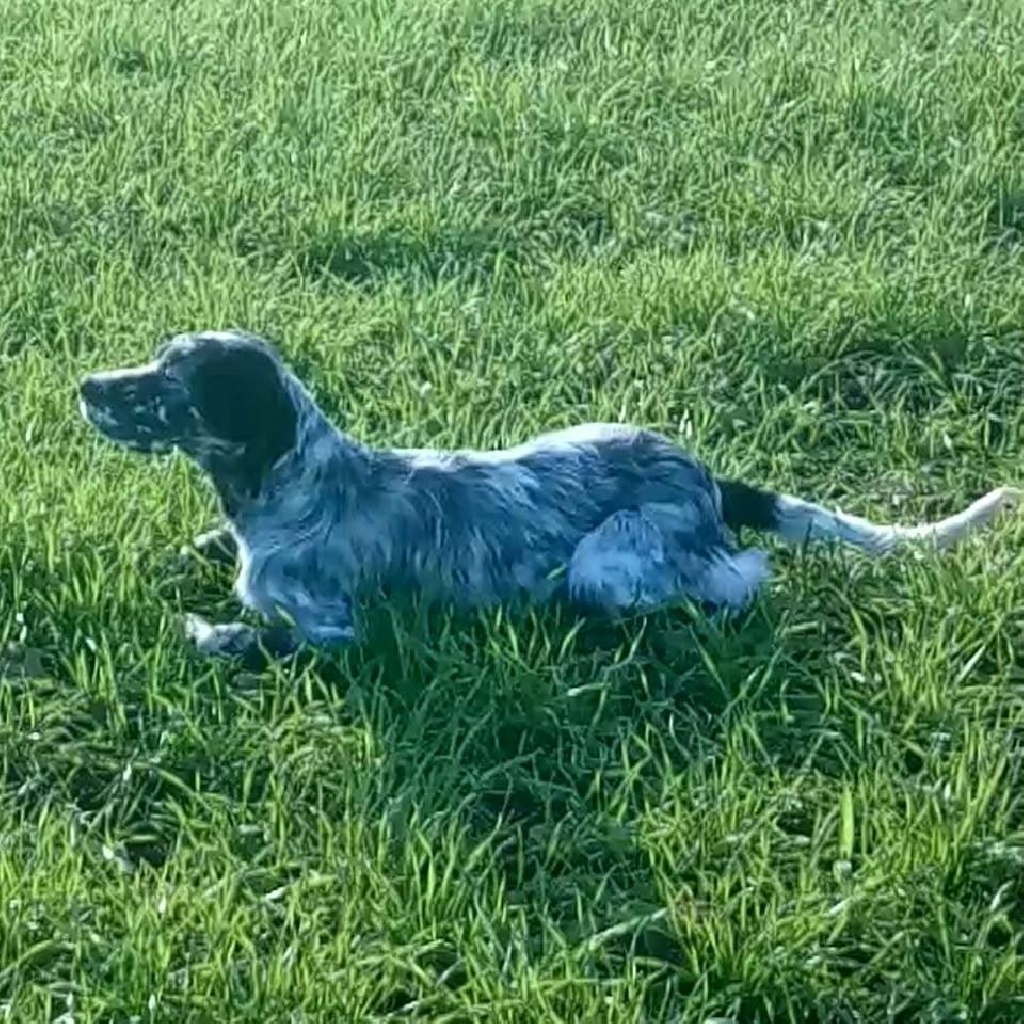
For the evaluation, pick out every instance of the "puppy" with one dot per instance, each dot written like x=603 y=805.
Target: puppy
x=612 y=519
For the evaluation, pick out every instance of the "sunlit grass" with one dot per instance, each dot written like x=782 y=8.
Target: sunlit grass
x=789 y=235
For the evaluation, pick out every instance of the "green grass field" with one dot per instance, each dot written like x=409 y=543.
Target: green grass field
x=789 y=234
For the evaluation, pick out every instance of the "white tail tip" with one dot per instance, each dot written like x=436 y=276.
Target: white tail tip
x=980 y=513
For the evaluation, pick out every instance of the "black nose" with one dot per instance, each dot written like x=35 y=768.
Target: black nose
x=91 y=390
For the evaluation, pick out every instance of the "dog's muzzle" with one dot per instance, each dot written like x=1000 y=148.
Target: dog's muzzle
x=127 y=408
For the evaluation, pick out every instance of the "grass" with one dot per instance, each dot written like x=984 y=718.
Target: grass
x=792 y=236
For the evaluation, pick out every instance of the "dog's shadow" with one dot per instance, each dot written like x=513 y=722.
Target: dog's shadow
x=563 y=747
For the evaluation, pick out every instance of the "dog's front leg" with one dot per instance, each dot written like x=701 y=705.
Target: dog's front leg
x=325 y=627
x=217 y=545
x=325 y=623
x=251 y=646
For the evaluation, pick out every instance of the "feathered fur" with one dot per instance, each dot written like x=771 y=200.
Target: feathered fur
x=611 y=518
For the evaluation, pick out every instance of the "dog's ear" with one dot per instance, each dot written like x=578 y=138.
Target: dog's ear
x=239 y=393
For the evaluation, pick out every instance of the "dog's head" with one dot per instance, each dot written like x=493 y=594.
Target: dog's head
x=218 y=396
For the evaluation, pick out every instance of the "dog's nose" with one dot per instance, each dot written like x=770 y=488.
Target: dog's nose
x=91 y=390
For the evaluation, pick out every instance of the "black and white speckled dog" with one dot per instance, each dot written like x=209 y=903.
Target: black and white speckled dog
x=613 y=518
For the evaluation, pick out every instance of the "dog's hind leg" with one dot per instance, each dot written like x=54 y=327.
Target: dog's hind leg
x=642 y=560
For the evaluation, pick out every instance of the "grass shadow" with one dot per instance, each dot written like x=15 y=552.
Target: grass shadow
x=512 y=237
x=370 y=259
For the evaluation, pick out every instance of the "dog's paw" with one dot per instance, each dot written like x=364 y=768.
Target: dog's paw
x=217 y=546
x=228 y=640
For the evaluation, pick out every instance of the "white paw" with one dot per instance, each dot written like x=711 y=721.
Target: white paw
x=214 y=546
x=229 y=640
x=197 y=629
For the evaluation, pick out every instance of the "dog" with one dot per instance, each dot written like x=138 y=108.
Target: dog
x=611 y=519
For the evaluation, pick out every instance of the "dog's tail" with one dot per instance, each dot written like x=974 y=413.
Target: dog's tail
x=798 y=521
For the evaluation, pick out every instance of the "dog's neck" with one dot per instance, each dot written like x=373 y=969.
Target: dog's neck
x=317 y=472
x=233 y=488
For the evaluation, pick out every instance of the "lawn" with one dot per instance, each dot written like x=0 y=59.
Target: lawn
x=790 y=235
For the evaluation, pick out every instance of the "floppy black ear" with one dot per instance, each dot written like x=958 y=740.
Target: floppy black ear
x=240 y=395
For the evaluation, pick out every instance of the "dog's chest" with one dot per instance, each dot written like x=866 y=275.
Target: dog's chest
x=255 y=583
x=278 y=571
